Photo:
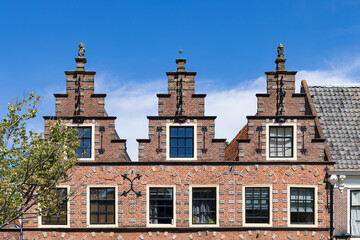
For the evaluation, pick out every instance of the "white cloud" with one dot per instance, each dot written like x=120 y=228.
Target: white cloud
x=231 y=106
x=343 y=74
x=131 y=103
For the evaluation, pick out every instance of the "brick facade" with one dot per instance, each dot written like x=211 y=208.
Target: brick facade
x=243 y=163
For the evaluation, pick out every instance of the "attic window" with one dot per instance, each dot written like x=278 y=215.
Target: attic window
x=181 y=142
x=84 y=149
x=281 y=142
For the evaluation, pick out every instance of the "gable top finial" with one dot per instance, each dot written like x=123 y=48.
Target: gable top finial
x=280 y=50
x=81 y=53
x=280 y=60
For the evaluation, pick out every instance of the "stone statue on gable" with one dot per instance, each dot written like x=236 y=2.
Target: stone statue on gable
x=81 y=53
x=280 y=50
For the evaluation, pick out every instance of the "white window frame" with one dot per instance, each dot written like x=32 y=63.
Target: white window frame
x=92 y=125
x=191 y=208
x=350 y=187
x=40 y=225
x=148 y=224
x=88 y=207
x=315 y=187
x=168 y=125
x=270 y=206
x=268 y=125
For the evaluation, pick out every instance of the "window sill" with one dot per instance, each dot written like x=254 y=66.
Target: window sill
x=257 y=225
x=161 y=225
x=101 y=225
x=53 y=226
x=86 y=159
x=302 y=225
x=280 y=159
x=203 y=225
x=181 y=159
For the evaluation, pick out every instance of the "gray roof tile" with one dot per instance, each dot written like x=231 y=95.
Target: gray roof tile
x=339 y=112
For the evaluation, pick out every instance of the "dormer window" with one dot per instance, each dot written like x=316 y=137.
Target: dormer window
x=181 y=141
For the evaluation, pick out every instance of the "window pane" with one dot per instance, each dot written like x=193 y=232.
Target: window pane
x=189 y=132
x=288 y=132
x=102 y=218
x=87 y=132
x=272 y=142
x=110 y=193
x=273 y=132
x=355 y=198
x=288 y=152
x=181 y=132
x=281 y=131
x=181 y=142
x=189 y=152
x=173 y=152
x=189 y=142
x=102 y=207
x=288 y=142
x=181 y=152
x=173 y=142
x=110 y=218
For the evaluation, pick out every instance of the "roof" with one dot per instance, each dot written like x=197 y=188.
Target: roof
x=232 y=151
x=338 y=109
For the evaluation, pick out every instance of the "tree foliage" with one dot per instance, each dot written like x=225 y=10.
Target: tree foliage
x=32 y=166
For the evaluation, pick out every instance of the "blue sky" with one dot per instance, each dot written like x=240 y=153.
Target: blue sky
x=131 y=44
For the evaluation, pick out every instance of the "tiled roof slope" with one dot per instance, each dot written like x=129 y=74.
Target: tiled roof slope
x=338 y=108
x=232 y=151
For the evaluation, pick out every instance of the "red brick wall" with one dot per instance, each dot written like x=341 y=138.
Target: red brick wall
x=229 y=178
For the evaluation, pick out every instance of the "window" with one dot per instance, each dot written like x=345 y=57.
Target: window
x=61 y=217
x=355 y=213
x=281 y=142
x=181 y=142
x=302 y=206
x=161 y=206
x=204 y=205
x=84 y=149
x=102 y=205
x=257 y=208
